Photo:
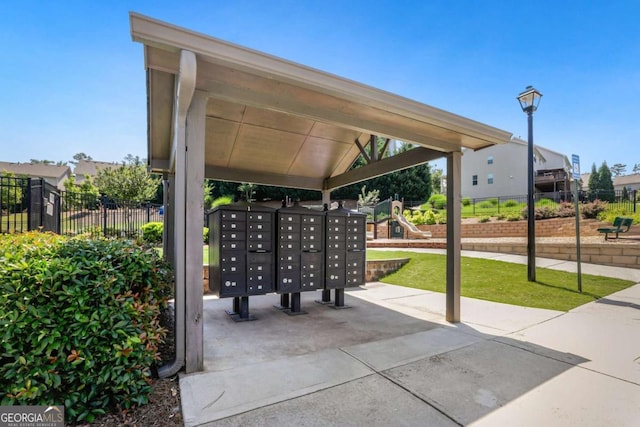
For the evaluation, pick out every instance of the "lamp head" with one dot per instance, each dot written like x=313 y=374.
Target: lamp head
x=529 y=99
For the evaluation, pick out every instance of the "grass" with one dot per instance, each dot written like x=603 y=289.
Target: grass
x=10 y=223
x=501 y=281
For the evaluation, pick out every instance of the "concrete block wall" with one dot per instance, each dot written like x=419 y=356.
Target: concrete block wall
x=554 y=227
x=613 y=254
x=377 y=269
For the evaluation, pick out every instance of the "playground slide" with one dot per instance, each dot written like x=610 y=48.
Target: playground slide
x=413 y=232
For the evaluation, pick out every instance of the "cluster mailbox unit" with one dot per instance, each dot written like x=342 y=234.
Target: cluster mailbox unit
x=241 y=253
x=256 y=250
x=346 y=251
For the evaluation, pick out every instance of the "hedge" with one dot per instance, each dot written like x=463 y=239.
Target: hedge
x=79 y=322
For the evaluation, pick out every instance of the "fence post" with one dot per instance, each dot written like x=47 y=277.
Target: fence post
x=29 y=210
x=104 y=218
x=635 y=193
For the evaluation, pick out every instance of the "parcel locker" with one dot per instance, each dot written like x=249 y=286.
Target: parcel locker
x=300 y=249
x=346 y=237
x=241 y=250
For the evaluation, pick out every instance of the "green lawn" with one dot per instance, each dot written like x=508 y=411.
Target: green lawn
x=10 y=223
x=500 y=281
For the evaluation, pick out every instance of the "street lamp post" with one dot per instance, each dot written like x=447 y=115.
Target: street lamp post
x=529 y=100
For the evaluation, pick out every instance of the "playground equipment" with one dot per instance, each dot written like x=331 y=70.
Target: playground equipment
x=411 y=231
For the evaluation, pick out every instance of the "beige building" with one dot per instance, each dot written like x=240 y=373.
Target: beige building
x=86 y=168
x=52 y=174
x=501 y=171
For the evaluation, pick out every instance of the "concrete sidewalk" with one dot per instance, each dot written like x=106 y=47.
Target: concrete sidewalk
x=392 y=359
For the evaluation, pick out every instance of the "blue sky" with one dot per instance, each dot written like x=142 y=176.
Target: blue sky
x=73 y=81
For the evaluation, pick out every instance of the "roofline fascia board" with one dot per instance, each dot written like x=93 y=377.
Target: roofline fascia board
x=164 y=35
x=407 y=159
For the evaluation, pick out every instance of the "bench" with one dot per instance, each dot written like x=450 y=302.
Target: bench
x=620 y=225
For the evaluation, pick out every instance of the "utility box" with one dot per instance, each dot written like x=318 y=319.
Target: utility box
x=241 y=250
x=346 y=244
x=300 y=249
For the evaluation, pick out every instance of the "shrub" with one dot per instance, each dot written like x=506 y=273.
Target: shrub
x=484 y=218
x=510 y=203
x=566 y=210
x=79 y=322
x=152 y=232
x=429 y=218
x=545 y=212
x=441 y=218
x=501 y=217
x=466 y=201
x=485 y=205
x=223 y=200
x=438 y=201
x=592 y=209
x=494 y=201
x=611 y=214
x=514 y=217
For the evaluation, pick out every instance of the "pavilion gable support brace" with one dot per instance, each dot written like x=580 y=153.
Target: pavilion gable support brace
x=194 y=170
x=185 y=86
x=373 y=155
x=454 y=215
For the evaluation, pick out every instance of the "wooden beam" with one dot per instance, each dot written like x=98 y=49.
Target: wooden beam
x=367 y=158
x=454 y=242
x=401 y=161
x=194 y=166
x=281 y=180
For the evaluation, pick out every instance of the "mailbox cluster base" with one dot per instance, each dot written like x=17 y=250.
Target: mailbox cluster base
x=292 y=306
x=337 y=303
x=240 y=311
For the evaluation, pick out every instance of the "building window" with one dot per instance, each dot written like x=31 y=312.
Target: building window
x=490 y=179
x=474 y=180
x=490 y=160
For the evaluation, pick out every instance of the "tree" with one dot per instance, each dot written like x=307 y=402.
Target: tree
x=618 y=169
x=80 y=156
x=436 y=180
x=606 y=183
x=594 y=183
x=130 y=182
x=209 y=186
x=368 y=198
x=636 y=168
x=247 y=191
x=41 y=162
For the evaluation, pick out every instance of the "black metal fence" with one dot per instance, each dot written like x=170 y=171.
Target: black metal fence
x=33 y=204
x=619 y=199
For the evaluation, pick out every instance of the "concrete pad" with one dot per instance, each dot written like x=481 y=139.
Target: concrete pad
x=471 y=383
x=478 y=316
x=394 y=352
x=368 y=401
x=214 y=395
x=577 y=397
x=606 y=337
x=275 y=335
